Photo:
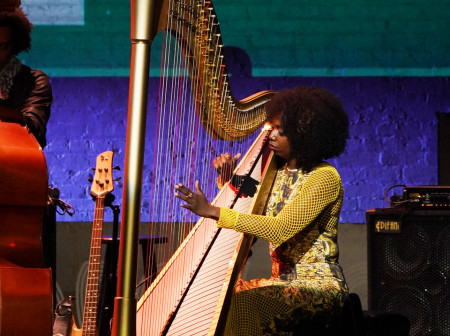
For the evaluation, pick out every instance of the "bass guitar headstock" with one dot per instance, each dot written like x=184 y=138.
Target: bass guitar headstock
x=102 y=182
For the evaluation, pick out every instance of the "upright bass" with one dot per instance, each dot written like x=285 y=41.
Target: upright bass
x=26 y=290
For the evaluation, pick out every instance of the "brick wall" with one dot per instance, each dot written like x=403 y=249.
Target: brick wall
x=393 y=133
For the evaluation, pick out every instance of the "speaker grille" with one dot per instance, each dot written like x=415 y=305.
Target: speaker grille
x=409 y=270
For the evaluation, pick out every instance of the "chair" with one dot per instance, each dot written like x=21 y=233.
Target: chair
x=356 y=322
x=353 y=323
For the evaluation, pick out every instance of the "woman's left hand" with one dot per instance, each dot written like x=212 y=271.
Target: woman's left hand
x=197 y=201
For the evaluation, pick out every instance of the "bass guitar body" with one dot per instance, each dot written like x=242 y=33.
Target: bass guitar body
x=79 y=332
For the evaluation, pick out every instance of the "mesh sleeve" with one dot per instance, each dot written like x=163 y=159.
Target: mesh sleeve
x=320 y=189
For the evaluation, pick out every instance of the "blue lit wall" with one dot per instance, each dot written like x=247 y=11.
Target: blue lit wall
x=393 y=133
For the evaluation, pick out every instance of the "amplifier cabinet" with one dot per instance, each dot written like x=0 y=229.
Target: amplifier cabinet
x=409 y=266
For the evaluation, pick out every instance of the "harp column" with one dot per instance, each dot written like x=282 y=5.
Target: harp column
x=142 y=15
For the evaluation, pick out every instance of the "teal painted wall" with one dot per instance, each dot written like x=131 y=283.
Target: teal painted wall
x=288 y=38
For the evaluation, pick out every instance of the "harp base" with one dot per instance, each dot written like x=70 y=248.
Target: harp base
x=126 y=324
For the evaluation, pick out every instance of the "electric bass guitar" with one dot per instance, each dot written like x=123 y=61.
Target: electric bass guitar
x=102 y=185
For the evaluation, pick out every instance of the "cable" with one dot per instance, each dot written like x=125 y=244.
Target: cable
x=396 y=203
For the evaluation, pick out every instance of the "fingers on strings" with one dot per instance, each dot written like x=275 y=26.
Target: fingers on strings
x=183 y=192
x=224 y=164
x=186 y=195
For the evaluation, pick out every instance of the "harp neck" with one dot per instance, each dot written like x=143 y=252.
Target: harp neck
x=195 y=26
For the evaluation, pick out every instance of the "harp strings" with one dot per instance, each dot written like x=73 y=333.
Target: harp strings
x=184 y=150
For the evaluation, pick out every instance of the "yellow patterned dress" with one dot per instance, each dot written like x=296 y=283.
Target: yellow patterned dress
x=301 y=225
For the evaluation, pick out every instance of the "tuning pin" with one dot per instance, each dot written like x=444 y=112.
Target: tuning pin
x=116 y=168
x=93 y=169
x=90 y=178
x=117 y=179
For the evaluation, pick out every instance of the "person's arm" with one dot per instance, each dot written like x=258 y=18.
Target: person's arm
x=320 y=189
x=36 y=107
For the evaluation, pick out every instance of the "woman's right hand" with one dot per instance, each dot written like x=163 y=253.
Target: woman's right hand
x=224 y=165
x=197 y=201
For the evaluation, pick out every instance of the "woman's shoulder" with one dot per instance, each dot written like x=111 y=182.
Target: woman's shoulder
x=326 y=171
x=35 y=80
x=40 y=77
x=29 y=73
x=29 y=70
x=325 y=166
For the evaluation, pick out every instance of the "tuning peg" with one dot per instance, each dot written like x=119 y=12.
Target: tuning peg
x=90 y=178
x=116 y=168
x=93 y=169
x=117 y=179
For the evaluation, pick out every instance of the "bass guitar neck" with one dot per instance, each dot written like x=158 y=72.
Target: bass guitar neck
x=101 y=186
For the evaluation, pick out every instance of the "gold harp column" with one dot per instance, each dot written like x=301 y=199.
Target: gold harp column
x=142 y=17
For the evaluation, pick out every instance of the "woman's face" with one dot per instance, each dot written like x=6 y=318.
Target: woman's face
x=6 y=45
x=278 y=142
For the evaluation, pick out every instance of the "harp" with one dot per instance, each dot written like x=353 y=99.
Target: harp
x=194 y=27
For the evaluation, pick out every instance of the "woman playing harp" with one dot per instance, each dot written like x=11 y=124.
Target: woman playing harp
x=302 y=213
